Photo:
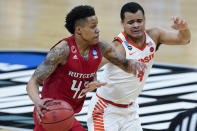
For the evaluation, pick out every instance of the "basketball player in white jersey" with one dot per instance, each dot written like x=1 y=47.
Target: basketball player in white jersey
x=114 y=106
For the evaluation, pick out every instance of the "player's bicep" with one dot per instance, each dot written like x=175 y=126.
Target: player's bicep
x=46 y=67
x=168 y=37
x=56 y=56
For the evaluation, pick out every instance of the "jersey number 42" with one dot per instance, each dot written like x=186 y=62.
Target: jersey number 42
x=78 y=92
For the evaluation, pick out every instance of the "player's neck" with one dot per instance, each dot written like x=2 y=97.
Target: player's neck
x=82 y=45
x=137 y=41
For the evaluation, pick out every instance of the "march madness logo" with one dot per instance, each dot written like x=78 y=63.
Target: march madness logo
x=169 y=91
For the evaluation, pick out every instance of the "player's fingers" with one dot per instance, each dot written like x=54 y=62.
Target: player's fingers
x=104 y=83
x=96 y=85
x=176 y=19
x=173 y=18
x=93 y=86
x=38 y=109
x=179 y=21
x=101 y=84
x=46 y=100
x=183 y=22
x=175 y=27
x=39 y=113
x=38 y=117
x=85 y=91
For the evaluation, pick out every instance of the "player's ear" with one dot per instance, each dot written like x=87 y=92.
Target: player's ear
x=78 y=30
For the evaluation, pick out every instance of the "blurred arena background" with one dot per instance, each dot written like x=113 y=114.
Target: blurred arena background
x=29 y=28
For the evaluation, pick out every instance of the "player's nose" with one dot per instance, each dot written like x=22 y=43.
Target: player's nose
x=135 y=24
x=97 y=30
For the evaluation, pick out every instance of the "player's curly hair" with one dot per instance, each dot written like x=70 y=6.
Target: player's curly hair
x=132 y=7
x=78 y=13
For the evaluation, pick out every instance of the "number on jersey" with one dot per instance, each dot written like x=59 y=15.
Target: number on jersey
x=78 y=89
x=140 y=76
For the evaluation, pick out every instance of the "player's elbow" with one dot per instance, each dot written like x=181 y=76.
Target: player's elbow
x=32 y=82
x=185 y=39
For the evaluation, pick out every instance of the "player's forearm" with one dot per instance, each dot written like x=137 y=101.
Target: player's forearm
x=121 y=62
x=33 y=90
x=113 y=56
x=125 y=65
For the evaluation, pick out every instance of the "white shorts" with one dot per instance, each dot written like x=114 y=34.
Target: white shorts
x=103 y=116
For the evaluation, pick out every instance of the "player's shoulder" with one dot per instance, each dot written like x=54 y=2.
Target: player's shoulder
x=154 y=33
x=61 y=44
x=61 y=51
x=116 y=43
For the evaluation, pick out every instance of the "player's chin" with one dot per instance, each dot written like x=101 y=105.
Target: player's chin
x=137 y=35
x=95 y=40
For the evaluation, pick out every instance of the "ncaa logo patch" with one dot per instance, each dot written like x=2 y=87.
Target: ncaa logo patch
x=128 y=45
x=94 y=52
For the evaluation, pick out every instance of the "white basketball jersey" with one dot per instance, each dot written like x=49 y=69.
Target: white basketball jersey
x=122 y=87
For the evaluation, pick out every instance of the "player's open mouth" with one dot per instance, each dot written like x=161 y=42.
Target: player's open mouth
x=96 y=37
x=136 y=31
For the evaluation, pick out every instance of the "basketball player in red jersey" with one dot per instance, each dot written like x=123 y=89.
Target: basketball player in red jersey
x=72 y=64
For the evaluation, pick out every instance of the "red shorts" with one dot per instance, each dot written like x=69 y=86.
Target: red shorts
x=76 y=125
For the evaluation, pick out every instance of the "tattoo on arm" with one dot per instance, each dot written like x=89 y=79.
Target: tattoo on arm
x=113 y=56
x=55 y=57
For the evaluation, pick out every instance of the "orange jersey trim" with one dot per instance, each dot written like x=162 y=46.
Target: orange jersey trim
x=131 y=43
x=115 y=104
x=118 y=38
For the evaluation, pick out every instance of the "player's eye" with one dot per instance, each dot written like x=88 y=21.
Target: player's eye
x=139 y=20
x=130 y=22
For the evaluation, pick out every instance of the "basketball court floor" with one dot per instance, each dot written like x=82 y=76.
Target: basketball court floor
x=28 y=28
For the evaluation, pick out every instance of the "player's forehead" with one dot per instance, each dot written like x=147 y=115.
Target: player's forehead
x=92 y=20
x=133 y=16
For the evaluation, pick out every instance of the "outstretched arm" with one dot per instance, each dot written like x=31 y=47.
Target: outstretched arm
x=179 y=37
x=55 y=57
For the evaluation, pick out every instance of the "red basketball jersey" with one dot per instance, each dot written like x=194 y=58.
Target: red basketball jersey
x=67 y=82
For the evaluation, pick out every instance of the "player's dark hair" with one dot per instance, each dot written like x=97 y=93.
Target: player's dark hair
x=78 y=13
x=131 y=7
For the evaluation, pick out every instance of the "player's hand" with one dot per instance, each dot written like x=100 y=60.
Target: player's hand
x=39 y=106
x=136 y=67
x=179 y=23
x=93 y=85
